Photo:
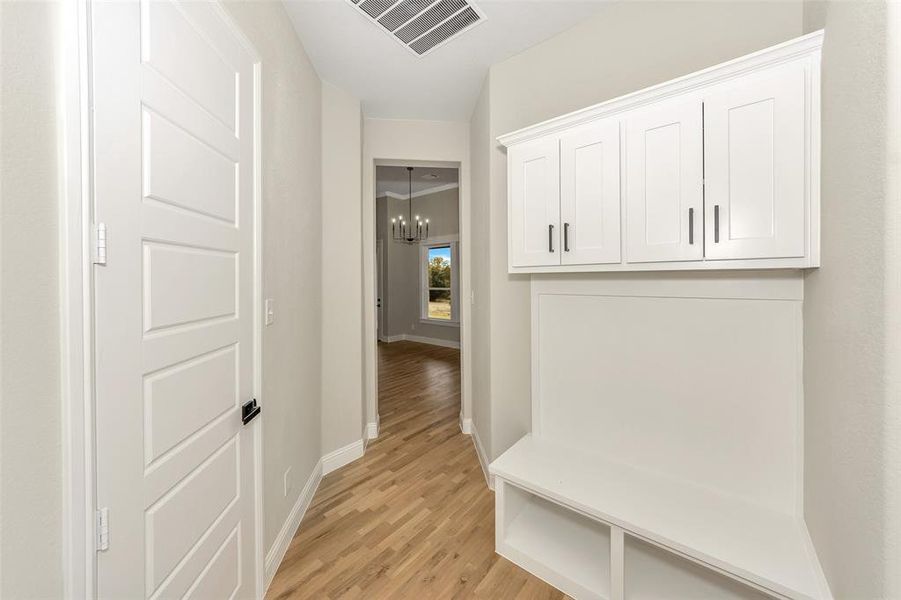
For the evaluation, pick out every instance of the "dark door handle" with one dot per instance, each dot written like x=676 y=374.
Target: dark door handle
x=550 y=238
x=566 y=237
x=250 y=410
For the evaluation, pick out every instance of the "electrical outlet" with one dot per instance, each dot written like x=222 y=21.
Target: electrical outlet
x=287 y=481
x=270 y=311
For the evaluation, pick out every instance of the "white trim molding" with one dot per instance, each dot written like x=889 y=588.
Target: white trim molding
x=453 y=243
x=406 y=337
x=280 y=546
x=465 y=425
x=372 y=429
x=773 y=55
x=420 y=193
x=342 y=456
x=480 y=452
x=76 y=307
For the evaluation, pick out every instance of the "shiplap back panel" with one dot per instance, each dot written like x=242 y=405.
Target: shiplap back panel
x=675 y=379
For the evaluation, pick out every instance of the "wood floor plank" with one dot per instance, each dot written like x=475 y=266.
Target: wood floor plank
x=413 y=518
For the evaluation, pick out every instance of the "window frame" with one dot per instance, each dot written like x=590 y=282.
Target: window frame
x=424 y=247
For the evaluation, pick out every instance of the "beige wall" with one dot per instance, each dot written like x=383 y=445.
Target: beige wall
x=292 y=251
x=627 y=46
x=401 y=294
x=30 y=410
x=852 y=306
x=342 y=277
x=480 y=150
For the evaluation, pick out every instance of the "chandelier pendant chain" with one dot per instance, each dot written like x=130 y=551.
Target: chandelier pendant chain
x=418 y=230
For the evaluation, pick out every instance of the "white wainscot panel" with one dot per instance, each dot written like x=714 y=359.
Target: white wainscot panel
x=700 y=389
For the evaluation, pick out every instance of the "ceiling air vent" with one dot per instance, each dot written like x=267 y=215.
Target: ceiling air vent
x=421 y=25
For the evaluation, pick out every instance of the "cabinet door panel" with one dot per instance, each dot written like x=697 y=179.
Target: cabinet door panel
x=590 y=194
x=664 y=179
x=755 y=161
x=534 y=181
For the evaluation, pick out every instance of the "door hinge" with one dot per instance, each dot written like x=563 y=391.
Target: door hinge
x=102 y=529
x=99 y=257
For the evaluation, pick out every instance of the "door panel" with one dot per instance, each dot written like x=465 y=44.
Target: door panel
x=176 y=48
x=180 y=400
x=590 y=194
x=184 y=285
x=755 y=166
x=534 y=180
x=173 y=162
x=183 y=170
x=664 y=179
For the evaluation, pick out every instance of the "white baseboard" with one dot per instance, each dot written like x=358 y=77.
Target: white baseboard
x=406 y=337
x=277 y=552
x=372 y=429
x=483 y=457
x=465 y=425
x=342 y=456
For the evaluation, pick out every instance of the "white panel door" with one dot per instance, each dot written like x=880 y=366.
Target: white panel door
x=534 y=181
x=664 y=182
x=173 y=139
x=755 y=165
x=590 y=193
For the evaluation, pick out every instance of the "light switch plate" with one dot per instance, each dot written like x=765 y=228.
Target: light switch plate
x=270 y=311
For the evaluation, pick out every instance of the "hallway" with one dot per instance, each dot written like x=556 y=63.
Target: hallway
x=413 y=518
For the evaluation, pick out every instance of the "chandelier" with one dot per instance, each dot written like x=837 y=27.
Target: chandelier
x=414 y=231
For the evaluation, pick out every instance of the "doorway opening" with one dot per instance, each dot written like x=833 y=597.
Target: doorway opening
x=418 y=297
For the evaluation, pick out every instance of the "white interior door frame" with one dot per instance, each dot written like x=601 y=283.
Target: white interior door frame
x=370 y=285
x=380 y=287
x=76 y=304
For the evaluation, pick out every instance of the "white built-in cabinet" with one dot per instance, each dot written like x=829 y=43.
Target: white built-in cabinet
x=715 y=170
x=663 y=192
x=535 y=226
x=625 y=492
x=589 y=194
x=755 y=158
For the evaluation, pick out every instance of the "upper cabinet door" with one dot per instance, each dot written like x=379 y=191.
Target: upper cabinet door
x=590 y=194
x=534 y=180
x=755 y=160
x=664 y=182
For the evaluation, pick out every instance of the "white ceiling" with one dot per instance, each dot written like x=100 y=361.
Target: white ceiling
x=394 y=180
x=354 y=53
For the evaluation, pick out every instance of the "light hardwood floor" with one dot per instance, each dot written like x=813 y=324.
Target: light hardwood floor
x=414 y=517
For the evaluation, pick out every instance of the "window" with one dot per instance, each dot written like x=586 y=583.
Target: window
x=439 y=282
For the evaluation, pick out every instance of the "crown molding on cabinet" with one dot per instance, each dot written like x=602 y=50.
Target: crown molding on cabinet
x=774 y=55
